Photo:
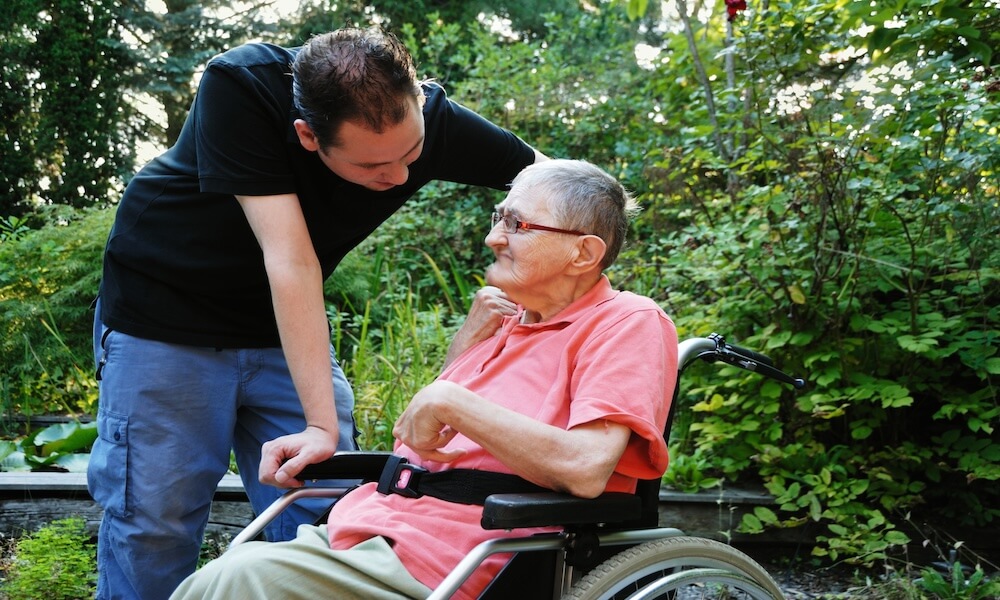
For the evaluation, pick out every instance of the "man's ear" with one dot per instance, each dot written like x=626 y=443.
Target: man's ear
x=306 y=136
x=590 y=252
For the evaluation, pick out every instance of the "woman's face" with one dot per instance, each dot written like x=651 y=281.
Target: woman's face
x=528 y=262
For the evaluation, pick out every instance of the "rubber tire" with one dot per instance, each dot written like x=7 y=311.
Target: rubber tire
x=706 y=559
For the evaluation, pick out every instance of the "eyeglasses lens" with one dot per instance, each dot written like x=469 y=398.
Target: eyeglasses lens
x=509 y=222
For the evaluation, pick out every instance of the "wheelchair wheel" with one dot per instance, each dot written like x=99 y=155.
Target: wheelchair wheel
x=677 y=568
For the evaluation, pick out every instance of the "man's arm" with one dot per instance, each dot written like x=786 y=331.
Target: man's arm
x=578 y=461
x=296 y=283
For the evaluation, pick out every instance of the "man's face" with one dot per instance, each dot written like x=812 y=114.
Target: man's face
x=377 y=161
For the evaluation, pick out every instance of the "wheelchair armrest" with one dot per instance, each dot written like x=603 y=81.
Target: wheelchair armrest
x=366 y=466
x=510 y=511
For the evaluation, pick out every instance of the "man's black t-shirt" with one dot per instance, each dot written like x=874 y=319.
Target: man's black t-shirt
x=182 y=264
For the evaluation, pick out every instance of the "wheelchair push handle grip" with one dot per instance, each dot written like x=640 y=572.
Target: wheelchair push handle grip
x=750 y=360
x=751 y=354
x=366 y=466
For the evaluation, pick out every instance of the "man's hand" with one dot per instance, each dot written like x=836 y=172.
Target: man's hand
x=489 y=307
x=420 y=427
x=283 y=458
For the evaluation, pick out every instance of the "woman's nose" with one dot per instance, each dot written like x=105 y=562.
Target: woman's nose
x=496 y=236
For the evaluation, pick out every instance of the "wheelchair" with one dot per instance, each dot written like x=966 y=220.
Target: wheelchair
x=609 y=547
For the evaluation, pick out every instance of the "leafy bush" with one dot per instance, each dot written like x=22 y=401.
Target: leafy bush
x=57 y=562
x=838 y=210
x=48 y=280
x=955 y=585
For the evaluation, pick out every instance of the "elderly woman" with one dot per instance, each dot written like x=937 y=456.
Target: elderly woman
x=555 y=377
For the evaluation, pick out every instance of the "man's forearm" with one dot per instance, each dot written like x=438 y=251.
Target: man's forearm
x=304 y=332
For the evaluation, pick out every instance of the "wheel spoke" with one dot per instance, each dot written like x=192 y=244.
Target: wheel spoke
x=685 y=584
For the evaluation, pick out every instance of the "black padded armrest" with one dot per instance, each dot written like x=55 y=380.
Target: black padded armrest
x=510 y=511
x=366 y=466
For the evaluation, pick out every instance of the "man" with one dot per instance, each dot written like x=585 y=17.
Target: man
x=211 y=332
x=563 y=381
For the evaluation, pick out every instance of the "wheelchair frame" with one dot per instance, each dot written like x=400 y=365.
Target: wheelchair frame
x=655 y=560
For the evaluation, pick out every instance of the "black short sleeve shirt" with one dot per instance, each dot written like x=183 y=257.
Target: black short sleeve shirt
x=182 y=264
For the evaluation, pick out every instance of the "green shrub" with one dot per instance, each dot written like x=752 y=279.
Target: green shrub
x=57 y=562
x=805 y=213
x=48 y=280
x=955 y=585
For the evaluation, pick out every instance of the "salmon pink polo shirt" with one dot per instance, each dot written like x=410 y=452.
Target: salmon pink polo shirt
x=610 y=355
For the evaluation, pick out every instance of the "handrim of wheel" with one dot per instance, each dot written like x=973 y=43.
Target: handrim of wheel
x=675 y=563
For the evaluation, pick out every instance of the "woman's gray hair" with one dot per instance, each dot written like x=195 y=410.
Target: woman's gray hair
x=583 y=197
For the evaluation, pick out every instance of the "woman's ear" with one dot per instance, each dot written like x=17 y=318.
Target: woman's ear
x=306 y=136
x=590 y=252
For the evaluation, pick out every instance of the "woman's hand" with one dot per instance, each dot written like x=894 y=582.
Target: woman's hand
x=421 y=428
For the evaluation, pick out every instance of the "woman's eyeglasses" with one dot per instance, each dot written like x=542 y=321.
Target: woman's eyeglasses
x=511 y=225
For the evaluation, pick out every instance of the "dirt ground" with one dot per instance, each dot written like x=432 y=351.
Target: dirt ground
x=802 y=583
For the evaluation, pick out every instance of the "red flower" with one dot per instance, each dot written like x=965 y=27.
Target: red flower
x=735 y=6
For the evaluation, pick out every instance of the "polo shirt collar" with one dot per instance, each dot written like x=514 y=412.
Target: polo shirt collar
x=595 y=296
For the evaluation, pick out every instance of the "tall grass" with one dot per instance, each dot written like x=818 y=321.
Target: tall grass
x=387 y=361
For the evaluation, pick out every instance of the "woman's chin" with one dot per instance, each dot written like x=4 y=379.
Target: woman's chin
x=490 y=276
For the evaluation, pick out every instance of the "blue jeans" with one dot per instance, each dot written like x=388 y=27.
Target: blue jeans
x=168 y=417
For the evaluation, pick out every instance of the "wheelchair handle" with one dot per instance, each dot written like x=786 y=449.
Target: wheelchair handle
x=714 y=348
x=746 y=352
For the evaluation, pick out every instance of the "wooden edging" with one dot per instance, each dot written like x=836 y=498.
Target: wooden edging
x=31 y=500
x=71 y=483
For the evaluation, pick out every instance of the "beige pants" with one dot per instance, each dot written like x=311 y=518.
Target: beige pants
x=304 y=568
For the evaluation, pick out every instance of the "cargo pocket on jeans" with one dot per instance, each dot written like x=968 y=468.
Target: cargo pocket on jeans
x=107 y=475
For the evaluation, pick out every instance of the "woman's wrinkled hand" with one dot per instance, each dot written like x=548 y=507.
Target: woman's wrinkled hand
x=420 y=427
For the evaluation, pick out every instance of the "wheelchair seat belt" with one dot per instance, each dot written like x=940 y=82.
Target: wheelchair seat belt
x=463 y=486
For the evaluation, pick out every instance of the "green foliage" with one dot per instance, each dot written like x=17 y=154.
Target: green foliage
x=397 y=299
x=961 y=29
x=57 y=447
x=690 y=472
x=839 y=212
x=12 y=228
x=62 y=104
x=213 y=546
x=48 y=280
x=388 y=363
x=956 y=586
x=559 y=93
x=420 y=16
x=433 y=248
x=57 y=562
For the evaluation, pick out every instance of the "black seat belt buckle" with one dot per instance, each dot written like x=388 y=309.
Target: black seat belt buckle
x=400 y=477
